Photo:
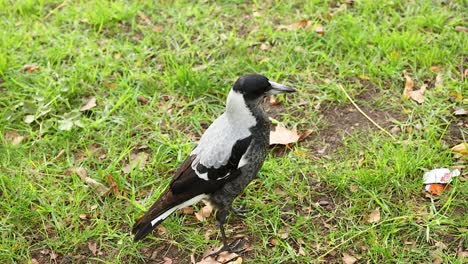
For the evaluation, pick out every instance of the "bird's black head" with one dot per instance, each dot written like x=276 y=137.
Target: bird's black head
x=255 y=86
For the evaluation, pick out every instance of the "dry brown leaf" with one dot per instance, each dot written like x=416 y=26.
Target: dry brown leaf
x=438 y=81
x=460 y=112
x=83 y=216
x=283 y=136
x=158 y=29
x=436 y=188
x=92 y=246
x=13 y=138
x=461 y=29
x=200 y=67
x=144 y=18
x=188 y=211
x=34 y=261
x=274 y=241
x=273 y=101
x=167 y=260
x=100 y=188
x=77 y=170
x=348 y=259
x=408 y=92
x=435 y=68
x=264 y=46
x=136 y=159
x=460 y=148
x=204 y=213
x=53 y=255
x=462 y=254
x=223 y=257
x=304 y=135
x=142 y=100
x=30 y=68
x=284 y=232
x=90 y=103
x=374 y=216
x=161 y=230
x=304 y=23
x=319 y=30
x=301 y=251
x=114 y=188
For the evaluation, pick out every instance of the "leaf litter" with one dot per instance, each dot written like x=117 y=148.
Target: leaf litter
x=409 y=92
x=89 y=104
x=100 y=188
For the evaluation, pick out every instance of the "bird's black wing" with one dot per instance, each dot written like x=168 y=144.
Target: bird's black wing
x=187 y=179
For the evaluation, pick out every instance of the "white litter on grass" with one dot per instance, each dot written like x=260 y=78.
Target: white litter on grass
x=442 y=176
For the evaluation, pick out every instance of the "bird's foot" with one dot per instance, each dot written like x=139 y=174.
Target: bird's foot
x=240 y=212
x=237 y=246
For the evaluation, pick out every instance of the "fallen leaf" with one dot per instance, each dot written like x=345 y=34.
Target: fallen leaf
x=304 y=23
x=200 y=67
x=34 y=261
x=30 y=68
x=136 y=160
x=158 y=29
x=28 y=119
x=53 y=255
x=90 y=103
x=284 y=232
x=77 y=170
x=65 y=125
x=319 y=30
x=460 y=112
x=188 y=211
x=114 y=188
x=273 y=101
x=348 y=259
x=92 y=247
x=461 y=29
x=283 y=136
x=161 y=230
x=438 y=81
x=274 y=241
x=100 y=188
x=83 y=216
x=204 y=213
x=13 y=138
x=408 y=91
x=435 y=188
x=374 y=216
x=144 y=18
x=435 y=68
x=167 y=260
x=264 y=46
x=462 y=254
x=305 y=135
x=460 y=148
x=142 y=100
x=301 y=251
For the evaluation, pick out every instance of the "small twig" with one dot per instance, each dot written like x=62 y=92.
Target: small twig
x=364 y=114
x=360 y=233
x=55 y=9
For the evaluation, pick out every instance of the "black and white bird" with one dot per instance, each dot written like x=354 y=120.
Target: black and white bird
x=227 y=158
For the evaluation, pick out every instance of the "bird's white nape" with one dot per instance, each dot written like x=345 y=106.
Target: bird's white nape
x=237 y=110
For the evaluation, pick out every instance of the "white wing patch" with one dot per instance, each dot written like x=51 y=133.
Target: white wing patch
x=215 y=146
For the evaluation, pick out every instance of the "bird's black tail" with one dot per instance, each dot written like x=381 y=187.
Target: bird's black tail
x=167 y=203
x=160 y=210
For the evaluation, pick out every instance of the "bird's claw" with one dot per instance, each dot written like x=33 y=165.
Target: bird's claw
x=234 y=247
x=240 y=212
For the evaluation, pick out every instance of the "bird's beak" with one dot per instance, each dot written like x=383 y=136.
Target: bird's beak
x=277 y=88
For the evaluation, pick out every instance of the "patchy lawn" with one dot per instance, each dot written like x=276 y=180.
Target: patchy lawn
x=102 y=100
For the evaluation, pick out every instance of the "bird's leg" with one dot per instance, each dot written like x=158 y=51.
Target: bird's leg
x=220 y=220
x=239 y=212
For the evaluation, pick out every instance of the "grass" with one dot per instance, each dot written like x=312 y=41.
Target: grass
x=184 y=56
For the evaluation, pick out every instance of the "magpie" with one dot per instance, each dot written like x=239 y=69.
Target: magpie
x=226 y=159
